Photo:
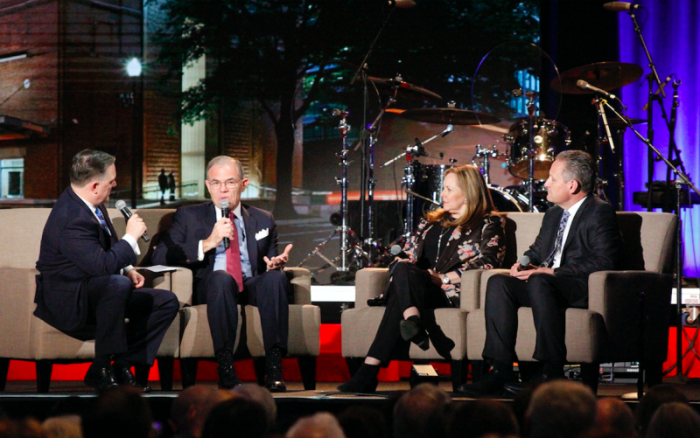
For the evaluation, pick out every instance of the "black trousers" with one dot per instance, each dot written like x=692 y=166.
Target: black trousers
x=268 y=292
x=549 y=296
x=410 y=287
x=113 y=300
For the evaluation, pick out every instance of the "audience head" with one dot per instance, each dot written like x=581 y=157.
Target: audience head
x=560 y=409
x=184 y=412
x=415 y=408
x=652 y=400
x=674 y=420
x=67 y=426
x=321 y=425
x=212 y=399
x=483 y=417
x=235 y=417
x=119 y=412
x=362 y=422
x=614 y=418
x=262 y=396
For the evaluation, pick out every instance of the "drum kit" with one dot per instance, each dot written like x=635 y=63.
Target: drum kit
x=532 y=143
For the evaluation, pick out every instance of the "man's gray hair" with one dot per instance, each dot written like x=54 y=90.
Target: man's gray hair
x=225 y=160
x=89 y=165
x=561 y=409
x=579 y=166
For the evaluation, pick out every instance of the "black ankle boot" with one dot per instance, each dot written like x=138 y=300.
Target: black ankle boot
x=364 y=380
x=412 y=330
x=228 y=378
x=273 y=370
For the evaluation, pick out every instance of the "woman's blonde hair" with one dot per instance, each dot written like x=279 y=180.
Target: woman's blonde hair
x=478 y=199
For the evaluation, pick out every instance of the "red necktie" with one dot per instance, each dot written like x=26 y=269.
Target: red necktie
x=233 y=256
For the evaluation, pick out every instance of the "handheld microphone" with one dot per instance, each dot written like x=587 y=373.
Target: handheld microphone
x=586 y=86
x=525 y=264
x=447 y=130
x=121 y=206
x=224 y=213
x=396 y=251
x=620 y=6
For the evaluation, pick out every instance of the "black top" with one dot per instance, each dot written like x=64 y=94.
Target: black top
x=431 y=251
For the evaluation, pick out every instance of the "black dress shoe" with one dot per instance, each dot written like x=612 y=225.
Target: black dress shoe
x=412 y=330
x=273 y=370
x=536 y=380
x=228 y=378
x=492 y=383
x=124 y=376
x=364 y=380
x=100 y=378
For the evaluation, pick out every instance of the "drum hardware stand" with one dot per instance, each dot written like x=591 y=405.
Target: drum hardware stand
x=485 y=155
x=347 y=247
x=604 y=136
x=681 y=179
x=531 y=108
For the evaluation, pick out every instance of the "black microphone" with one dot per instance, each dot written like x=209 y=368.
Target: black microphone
x=224 y=213
x=121 y=206
x=620 y=6
x=525 y=264
x=397 y=251
x=586 y=86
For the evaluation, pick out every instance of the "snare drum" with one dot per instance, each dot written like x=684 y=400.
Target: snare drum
x=549 y=136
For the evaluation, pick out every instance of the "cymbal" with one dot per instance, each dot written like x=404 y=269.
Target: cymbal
x=449 y=116
x=604 y=75
x=404 y=90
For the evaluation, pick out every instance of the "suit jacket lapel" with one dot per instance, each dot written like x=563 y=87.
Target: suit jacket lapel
x=251 y=227
x=113 y=239
x=574 y=224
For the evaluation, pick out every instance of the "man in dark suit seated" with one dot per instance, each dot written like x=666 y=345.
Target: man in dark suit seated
x=81 y=290
x=248 y=272
x=579 y=236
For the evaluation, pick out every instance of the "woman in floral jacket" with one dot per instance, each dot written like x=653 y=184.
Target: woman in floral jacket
x=464 y=234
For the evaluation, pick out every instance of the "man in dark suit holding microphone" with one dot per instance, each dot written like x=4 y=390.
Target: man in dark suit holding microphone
x=232 y=251
x=578 y=236
x=81 y=290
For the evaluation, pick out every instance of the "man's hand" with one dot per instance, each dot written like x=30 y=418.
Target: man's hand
x=435 y=277
x=279 y=261
x=136 y=278
x=135 y=227
x=524 y=275
x=222 y=229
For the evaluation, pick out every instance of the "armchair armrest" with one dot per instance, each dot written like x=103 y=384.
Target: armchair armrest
x=634 y=306
x=470 y=292
x=179 y=282
x=300 y=279
x=369 y=282
x=17 y=290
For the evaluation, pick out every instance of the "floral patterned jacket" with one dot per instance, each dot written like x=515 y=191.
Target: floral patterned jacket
x=481 y=248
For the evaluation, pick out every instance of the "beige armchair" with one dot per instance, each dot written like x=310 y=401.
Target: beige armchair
x=626 y=319
x=360 y=324
x=26 y=337
x=304 y=334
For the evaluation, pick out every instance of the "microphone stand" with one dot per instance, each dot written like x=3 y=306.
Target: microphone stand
x=681 y=179
x=652 y=77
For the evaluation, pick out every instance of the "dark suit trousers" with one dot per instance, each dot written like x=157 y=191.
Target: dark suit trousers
x=112 y=299
x=268 y=292
x=410 y=287
x=549 y=296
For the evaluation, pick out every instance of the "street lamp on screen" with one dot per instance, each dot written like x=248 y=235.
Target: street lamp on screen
x=133 y=68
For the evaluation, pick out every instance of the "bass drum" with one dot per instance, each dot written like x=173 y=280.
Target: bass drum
x=504 y=201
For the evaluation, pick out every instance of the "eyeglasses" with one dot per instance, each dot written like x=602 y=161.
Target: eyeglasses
x=230 y=184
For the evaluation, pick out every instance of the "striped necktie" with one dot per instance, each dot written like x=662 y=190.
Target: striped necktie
x=98 y=212
x=558 y=242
